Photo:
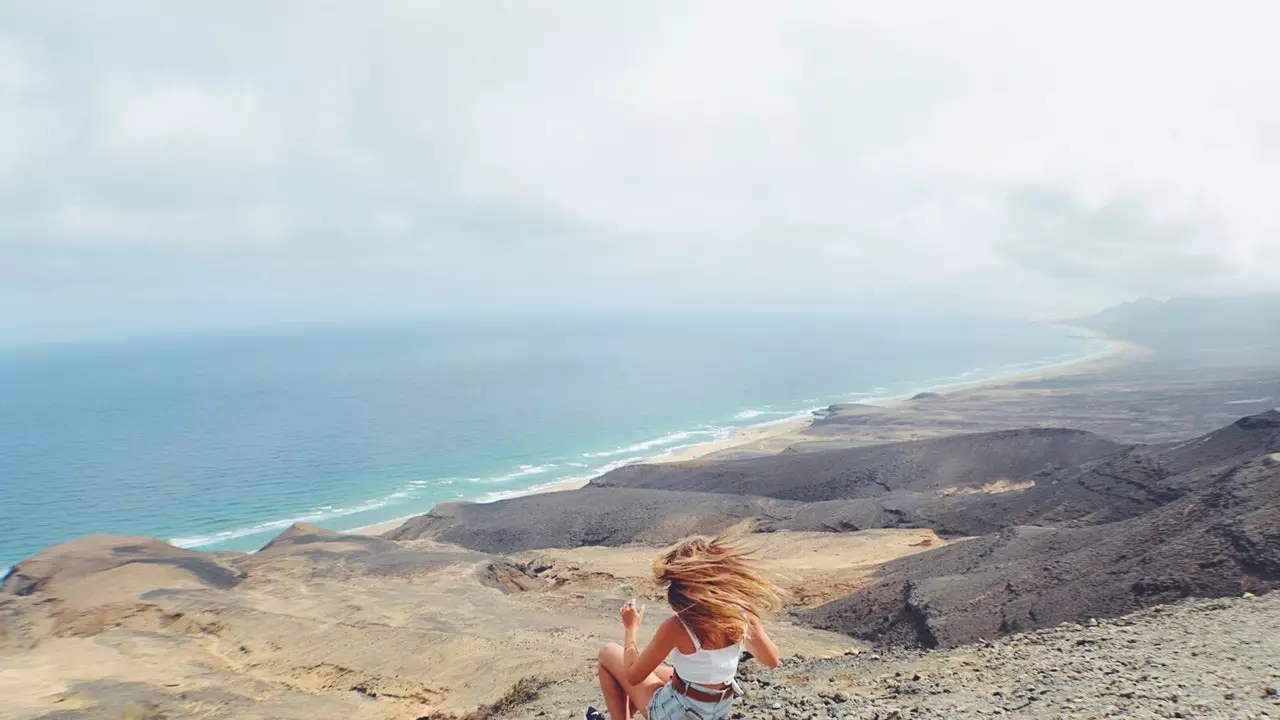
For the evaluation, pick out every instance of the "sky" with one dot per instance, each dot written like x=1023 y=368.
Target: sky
x=183 y=165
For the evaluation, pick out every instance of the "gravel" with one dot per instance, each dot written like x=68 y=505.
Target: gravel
x=1216 y=658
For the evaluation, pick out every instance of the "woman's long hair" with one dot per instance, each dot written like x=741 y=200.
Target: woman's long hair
x=715 y=584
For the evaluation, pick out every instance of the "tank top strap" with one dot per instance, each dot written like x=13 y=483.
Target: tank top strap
x=697 y=646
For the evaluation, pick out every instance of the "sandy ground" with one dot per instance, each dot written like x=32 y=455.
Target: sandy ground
x=323 y=633
x=762 y=437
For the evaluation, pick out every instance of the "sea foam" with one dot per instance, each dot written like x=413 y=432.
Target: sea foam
x=524 y=471
x=667 y=439
x=585 y=477
x=319 y=514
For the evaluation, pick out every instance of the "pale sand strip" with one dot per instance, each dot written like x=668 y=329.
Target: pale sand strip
x=382 y=527
x=788 y=428
x=1118 y=352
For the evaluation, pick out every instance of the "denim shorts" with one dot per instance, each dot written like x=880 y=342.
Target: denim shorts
x=667 y=704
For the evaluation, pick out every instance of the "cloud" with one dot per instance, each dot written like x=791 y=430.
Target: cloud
x=1118 y=242
x=666 y=155
x=30 y=124
x=184 y=127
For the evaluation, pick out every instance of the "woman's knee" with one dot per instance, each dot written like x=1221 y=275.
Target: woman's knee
x=608 y=652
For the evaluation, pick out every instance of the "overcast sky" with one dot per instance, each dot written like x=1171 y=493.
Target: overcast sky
x=185 y=164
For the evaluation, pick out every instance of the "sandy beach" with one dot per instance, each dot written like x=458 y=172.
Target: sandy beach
x=770 y=437
x=1117 y=354
x=778 y=434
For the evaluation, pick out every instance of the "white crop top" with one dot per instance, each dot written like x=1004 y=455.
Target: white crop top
x=705 y=667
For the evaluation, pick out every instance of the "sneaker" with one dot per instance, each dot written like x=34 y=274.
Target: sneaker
x=594 y=714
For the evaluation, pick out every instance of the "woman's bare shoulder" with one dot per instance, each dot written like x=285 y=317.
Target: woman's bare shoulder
x=674 y=629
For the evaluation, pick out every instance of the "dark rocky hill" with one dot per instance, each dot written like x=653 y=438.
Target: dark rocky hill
x=1067 y=524
x=1214 y=530
x=1221 y=540
x=958 y=462
x=590 y=516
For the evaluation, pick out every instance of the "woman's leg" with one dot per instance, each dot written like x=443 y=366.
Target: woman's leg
x=617 y=691
x=615 y=695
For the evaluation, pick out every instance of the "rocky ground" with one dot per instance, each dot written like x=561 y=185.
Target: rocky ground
x=1215 y=658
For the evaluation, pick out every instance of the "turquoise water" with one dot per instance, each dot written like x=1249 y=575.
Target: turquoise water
x=223 y=439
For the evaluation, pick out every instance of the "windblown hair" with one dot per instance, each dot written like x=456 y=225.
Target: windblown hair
x=715 y=584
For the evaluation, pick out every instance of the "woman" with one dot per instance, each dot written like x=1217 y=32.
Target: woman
x=718 y=595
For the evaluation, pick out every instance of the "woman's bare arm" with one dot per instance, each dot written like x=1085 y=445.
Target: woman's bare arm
x=654 y=653
x=759 y=645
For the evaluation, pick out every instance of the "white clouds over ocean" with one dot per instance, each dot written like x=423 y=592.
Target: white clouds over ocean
x=168 y=164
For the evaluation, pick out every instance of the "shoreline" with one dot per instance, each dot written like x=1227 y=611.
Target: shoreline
x=790 y=429
x=1117 y=351
x=742 y=437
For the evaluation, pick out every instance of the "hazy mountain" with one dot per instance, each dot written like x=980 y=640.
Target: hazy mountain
x=1235 y=330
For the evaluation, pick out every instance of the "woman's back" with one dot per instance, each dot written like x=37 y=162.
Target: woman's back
x=703 y=666
x=718 y=595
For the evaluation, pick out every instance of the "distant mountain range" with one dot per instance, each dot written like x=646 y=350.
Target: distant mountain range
x=1205 y=329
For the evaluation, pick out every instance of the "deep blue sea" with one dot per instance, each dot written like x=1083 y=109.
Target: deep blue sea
x=221 y=440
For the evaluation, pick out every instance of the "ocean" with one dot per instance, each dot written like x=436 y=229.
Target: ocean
x=220 y=440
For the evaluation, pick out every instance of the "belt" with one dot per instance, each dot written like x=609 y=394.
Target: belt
x=692 y=693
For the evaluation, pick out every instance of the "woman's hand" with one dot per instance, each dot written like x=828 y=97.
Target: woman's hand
x=757 y=643
x=631 y=616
